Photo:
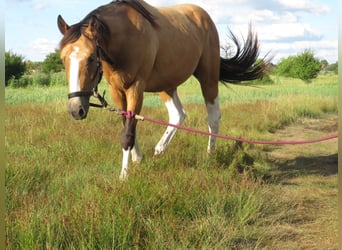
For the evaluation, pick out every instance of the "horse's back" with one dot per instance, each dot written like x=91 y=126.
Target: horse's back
x=185 y=32
x=187 y=22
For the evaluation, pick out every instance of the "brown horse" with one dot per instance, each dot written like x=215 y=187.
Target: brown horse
x=143 y=48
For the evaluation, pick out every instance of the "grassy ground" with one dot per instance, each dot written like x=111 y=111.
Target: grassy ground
x=63 y=190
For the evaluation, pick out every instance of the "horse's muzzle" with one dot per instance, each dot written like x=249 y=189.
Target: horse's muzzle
x=78 y=107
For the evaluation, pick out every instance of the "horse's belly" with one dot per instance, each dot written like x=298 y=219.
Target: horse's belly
x=165 y=82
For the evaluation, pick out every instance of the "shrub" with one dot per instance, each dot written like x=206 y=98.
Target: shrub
x=58 y=78
x=41 y=79
x=266 y=80
x=332 y=68
x=13 y=82
x=22 y=82
x=25 y=80
x=14 y=67
x=52 y=62
x=304 y=66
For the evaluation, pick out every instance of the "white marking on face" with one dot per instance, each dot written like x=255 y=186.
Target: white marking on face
x=74 y=80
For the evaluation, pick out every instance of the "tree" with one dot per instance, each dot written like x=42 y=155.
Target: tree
x=303 y=66
x=324 y=64
x=33 y=67
x=14 y=66
x=226 y=50
x=52 y=62
x=333 y=67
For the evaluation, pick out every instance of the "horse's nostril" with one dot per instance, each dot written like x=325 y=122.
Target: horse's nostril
x=81 y=112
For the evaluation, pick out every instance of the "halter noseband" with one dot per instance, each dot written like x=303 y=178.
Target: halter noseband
x=93 y=92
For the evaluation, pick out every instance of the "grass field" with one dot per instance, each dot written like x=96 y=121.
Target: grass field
x=63 y=190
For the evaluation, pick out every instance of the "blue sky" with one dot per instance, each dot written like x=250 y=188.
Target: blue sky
x=284 y=27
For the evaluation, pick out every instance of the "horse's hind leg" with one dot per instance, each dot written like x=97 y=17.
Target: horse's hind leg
x=176 y=117
x=208 y=79
x=214 y=116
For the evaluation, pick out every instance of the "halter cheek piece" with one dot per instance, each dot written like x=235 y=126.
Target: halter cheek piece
x=94 y=92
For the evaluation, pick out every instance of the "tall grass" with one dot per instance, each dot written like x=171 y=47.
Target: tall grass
x=323 y=86
x=63 y=190
x=70 y=196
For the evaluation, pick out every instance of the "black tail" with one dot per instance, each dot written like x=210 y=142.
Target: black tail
x=244 y=66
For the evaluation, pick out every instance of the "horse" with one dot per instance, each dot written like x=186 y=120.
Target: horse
x=141 y=48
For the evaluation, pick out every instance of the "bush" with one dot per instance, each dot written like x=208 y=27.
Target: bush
x=14 y=67
x=25 y=80
x=22 y=82
x=33 y=67
x=332 y=68
x=38 y=79
x=13 y=82
x=58 y=78
x=266 y=80
x=52 y=63
x=41 y=79
x=304 y=66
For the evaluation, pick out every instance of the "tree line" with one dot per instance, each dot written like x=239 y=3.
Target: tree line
x=21 y=73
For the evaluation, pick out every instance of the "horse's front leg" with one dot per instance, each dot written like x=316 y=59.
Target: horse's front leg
x=128 y=139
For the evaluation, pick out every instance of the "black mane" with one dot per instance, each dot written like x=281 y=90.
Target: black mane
x=140 y=8
x=75 y=30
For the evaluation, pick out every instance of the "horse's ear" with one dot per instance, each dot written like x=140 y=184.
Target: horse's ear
x=62 y=25
x=92 y=28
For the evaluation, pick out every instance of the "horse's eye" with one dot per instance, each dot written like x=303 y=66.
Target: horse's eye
x=91 y=59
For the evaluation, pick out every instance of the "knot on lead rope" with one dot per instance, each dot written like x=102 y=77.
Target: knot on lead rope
x=128 y=114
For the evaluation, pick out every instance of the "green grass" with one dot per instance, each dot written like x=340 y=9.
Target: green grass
x=323 y=86
x=63 y=190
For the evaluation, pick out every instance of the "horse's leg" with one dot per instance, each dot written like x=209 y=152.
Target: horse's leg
x=176 y=117
x=134 y=96
x=214 y=116
x=136 y=153
x=130 y=101
x=127 y=143
x=207 y=74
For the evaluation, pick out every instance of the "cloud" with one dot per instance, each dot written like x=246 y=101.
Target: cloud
x=308 y=6
x=289 y=32
x=20 y=1
x=325 y=49
x=276 y=5
x=301 y=45
x=304 y=5
x=264 y=16
x=40 y=5
x=36 y=5
x=40 y=47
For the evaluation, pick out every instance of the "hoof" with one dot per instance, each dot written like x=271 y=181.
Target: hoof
x=137 y=160
x=123 y=175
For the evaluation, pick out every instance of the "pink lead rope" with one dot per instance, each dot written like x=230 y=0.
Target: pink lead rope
x=130 y=115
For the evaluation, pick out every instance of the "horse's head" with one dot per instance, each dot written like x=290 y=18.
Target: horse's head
x=81 y=59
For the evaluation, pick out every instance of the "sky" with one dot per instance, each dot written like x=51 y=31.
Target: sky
x=284 y=27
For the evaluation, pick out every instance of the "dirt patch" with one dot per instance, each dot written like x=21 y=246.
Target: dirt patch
x=303 y=130
x=307 y=176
